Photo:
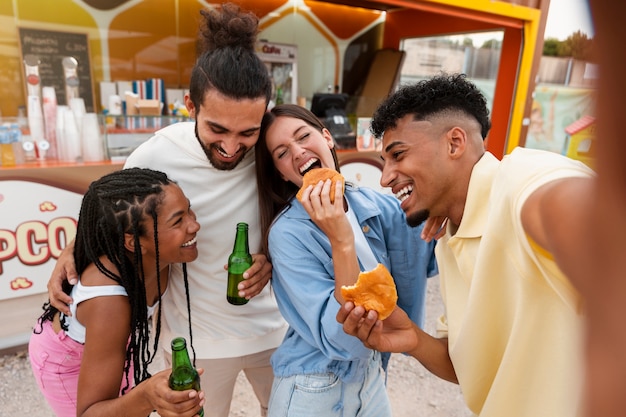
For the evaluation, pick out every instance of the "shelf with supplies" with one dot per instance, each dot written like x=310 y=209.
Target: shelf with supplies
x=124 y=133
x=40 y=198
x=118 y=136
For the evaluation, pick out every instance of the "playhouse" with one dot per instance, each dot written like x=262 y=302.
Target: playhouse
x=580 y=140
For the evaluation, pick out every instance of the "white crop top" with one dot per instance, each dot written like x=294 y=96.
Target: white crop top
x=81 y=293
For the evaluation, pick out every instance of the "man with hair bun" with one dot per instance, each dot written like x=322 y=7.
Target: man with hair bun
x=212 y=159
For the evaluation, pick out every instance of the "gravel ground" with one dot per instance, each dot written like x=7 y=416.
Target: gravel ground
x=414 y=392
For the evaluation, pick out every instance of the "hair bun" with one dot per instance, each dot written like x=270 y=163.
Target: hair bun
x=228 y=27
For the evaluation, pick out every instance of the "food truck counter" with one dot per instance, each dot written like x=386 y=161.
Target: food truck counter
x=39 y=205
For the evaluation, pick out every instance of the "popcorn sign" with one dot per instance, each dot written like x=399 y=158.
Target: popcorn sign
x=36 y=223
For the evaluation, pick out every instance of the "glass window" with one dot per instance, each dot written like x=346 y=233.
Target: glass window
x=476 y=54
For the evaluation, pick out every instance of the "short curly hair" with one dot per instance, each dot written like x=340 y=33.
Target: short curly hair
x=434 y=96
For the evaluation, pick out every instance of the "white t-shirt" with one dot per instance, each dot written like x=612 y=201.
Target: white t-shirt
x=363 y=251
x=220 y=199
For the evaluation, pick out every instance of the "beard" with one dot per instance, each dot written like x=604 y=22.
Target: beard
x=417 y=218
x=210 y=150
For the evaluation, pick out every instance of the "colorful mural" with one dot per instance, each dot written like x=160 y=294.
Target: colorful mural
x=554 y=108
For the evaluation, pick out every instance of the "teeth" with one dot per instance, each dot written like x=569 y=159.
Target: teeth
x=404 y=193
x=308 y=164
x=224 y=154
x=191 y=242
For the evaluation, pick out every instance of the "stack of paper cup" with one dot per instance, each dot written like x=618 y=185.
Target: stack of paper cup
x=36 y=126
x=91 y=138
x=50 y=119
x=35 y=118
x=68 y=137
x=77 y=105
x=60 y=133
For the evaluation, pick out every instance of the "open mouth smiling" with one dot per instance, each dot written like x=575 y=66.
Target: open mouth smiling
x=404 y=193
x=309 y=165
x=224 y=154
x=191 y=242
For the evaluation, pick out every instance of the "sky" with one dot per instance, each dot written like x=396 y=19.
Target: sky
x=566 y=17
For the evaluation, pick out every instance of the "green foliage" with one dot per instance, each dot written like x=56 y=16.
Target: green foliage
x=551 y=47
x=578 y=46
x=468 y=42
x=492 y=44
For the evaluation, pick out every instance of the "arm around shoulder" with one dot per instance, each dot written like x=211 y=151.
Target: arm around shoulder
x=64 y=269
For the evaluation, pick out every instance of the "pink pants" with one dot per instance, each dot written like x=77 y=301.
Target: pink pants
x=55 y=360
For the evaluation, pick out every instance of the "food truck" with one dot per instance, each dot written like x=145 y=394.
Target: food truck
x=109 y=54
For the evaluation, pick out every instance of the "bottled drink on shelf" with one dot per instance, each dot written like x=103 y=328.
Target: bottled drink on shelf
x=7 y=157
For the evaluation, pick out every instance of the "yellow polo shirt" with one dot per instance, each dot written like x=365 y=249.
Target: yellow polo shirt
x=512 y=318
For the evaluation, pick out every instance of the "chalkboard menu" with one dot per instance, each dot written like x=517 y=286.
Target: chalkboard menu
x=51 y=47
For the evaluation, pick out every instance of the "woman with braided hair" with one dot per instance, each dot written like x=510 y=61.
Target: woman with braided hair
x=211 y=156
x=133 y=224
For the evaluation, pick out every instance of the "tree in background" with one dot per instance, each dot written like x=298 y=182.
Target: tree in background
x=492 y=44
x=551 y=47
x=577 y=45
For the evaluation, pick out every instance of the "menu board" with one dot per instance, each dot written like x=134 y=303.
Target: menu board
x=50 y=48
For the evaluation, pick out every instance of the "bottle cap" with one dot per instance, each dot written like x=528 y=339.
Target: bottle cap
x=28 y=146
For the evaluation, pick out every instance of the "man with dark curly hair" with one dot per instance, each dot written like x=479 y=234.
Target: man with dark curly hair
x=511 y=334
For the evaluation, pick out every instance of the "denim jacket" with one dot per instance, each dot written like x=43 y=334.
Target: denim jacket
x=303 y=282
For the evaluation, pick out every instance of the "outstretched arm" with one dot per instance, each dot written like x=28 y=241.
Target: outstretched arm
x=555 y=215
x=397 y=333
x=599 y=270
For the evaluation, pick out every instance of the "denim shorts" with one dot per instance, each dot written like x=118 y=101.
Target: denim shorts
x=313 y=395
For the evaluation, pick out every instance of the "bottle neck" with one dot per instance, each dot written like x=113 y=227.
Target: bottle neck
x=180 y=355
x=241 y=240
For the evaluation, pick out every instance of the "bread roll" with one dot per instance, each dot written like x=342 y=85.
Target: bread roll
x=374 y=290
x=316 y=175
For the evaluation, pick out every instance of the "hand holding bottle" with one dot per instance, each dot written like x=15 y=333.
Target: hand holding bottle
x=170 y=403
x=184 y=376
x=256 y=277
x=239 y=262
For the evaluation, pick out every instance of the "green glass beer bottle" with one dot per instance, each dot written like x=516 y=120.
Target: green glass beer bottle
x=184 y=376
x=279 y=96
x=238 y=262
